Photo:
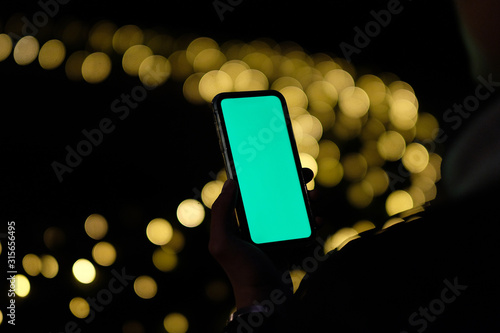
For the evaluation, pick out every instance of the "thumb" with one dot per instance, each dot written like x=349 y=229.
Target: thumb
x=223 y=221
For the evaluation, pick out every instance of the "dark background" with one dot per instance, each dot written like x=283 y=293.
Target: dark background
x=165 y=151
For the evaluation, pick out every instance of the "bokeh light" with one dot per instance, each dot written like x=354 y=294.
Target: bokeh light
x=397 y=202
x=96 y=226
x=159 y=231
x=32 y=264
x=96 y=67
x=5 y=46
x=50 y=266
x=145 y=287
x=104 y=253
x=22 y=285
x=26 y=50
x=190 y=213
x=165 y=259
x=84 y=271
x=52 y=54
x=79 y=307
x=176 y=323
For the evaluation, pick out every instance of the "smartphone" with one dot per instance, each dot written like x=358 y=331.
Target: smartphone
x=260 y=153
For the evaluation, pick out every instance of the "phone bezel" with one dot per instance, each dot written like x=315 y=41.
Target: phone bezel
x=231 y=172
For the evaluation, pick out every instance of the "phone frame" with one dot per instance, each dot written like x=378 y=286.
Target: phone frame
x=231 y=172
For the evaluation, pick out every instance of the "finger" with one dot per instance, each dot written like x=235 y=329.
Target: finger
x=222 y=220
x=308 y=175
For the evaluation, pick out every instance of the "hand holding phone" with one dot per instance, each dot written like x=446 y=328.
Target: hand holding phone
x=260 y=153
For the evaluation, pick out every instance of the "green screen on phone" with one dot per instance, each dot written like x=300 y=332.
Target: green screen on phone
x=266 y=169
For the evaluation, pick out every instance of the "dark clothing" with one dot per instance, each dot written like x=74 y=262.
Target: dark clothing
x=436 y=273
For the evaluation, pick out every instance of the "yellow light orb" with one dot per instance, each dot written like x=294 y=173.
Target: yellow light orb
x=210 y=192
x=397 y=202
x=96 y=67
x=175 y=323
x=339 y=238
x=330 y=172
x=26 y=50
x=50 y=266
x=96 y=226
x=154 y=71
x=415 y=158
x=104 y=253
x=32 y=264
x=84 y=271
x=159 y=231
x=165 y=259
x=403 y=114
x=73 y=66
x=354 y=102
x=127 y=36
x=214 y=82
x=145 y=287
x=22 y=285
x=52 y=54
x=79 y=307
x=5 y=46
x=251 y=79
x=133 y=57
x=391 y=145
x=190 y=213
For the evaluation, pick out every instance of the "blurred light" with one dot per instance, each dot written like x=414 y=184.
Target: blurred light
x=308 y=145
x=347 y=128
x=417 y=195
x=296 y=275
x=321 y=92
x=104 y=253
x=354 y=102
x=32 y=264
x=53 y=237
x=52 y=54
x=210 y=192
x=22 y=285
x=294 y=96
x=391 y=145
x=145 y=287
x=392 y=221
x=175 y=323
x=74 y=64
x=261 y=62
x=181 y=68
x=84 y=271
x=50 y=267
x=378 y=180
x=340 y=79
x=363 y=225
x=330 y=172
x=397 y=202
x=96 y=226
x=1 y=317
x=355 y=166
x=285 y=81
x=176 y=243
x=234 y=68
x=311 y=125
x=5 y=46
x=133 y=57
x=217 y=290
x=127 y=36
x=427 y=126
x=214 y=82
x=154 y=70
x=190 y=213
x=190 y=89
x=208 y=59
x=251 y=79
x=165 y=259
x=372 y=129
x=328 y=148
x=133 y=326
x=96 y=67
x=159 y=231
x=79 y=307
x=198 y=45
x=360 y=194
x=26 y=50
x=435 y=160
x=307 y=161
x=370 y=151
x=415 y=158
x=374 y=88
x=339 y=238
x=101 y=36
x=403 y=114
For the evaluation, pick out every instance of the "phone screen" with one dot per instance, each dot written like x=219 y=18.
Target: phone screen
x=266 y=168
